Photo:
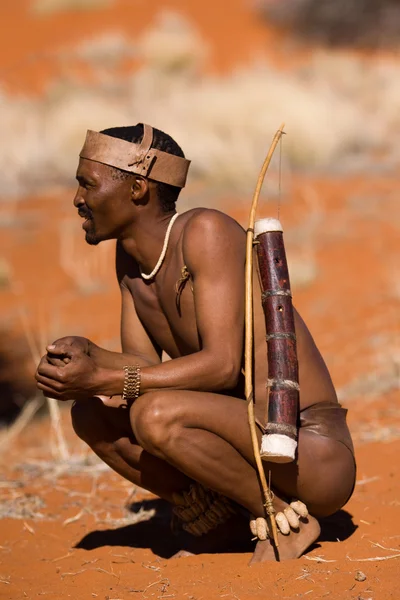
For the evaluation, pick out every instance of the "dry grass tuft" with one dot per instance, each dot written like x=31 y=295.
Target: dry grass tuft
x=23 y=506
x=224 y=124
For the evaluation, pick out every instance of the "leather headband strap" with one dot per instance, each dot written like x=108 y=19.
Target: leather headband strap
x=140 y=159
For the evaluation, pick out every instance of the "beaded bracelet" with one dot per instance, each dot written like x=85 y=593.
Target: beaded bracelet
x=131 y=383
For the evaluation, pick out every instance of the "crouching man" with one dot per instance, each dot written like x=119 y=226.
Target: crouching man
x=179 y=428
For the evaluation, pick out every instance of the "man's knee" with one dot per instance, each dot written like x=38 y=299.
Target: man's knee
x=81 y=419
x=155 y=420
x=87 y=420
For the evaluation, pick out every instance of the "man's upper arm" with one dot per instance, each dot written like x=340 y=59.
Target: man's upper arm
x=214 y=251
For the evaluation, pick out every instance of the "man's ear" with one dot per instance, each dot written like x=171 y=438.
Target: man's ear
x=139 y=190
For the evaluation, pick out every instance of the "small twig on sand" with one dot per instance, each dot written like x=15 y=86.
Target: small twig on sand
x=384 y=547
x=104 y=571
x=373 y=559
x=319 y=559
x=73 y=519
x=367 y=480
x=164 y=581
x=76 y=573
x=29 y=528
x=62 y=557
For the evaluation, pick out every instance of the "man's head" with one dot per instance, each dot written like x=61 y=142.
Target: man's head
x=167 y=194
x=108 y=194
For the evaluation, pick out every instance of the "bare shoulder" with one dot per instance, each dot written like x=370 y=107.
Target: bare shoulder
x=211 y=230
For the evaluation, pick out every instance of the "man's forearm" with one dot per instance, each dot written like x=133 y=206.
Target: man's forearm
x=200 y=371
x=105 y=359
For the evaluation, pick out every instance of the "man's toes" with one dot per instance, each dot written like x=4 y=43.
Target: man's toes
x=283 y=523
x=259 y=528
x=292 y=518
x=300 y=508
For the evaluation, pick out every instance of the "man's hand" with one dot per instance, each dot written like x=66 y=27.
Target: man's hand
x=67 y=373
x=53 y=356
x=75 y=341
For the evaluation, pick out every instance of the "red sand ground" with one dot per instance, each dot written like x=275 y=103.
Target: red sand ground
x=352 y=310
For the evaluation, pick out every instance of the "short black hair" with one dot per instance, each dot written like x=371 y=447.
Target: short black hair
x=167 y=194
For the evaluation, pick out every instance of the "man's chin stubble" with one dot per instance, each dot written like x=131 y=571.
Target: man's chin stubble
x=91 y=239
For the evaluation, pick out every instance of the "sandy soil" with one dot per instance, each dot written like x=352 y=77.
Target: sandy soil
x=69 y=536
x=65 y=529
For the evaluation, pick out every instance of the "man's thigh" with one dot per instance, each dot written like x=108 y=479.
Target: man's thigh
x=307 y=477
x=224 y=416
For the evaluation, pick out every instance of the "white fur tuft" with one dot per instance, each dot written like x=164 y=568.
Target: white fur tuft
x=278 y=448
x=265 y=225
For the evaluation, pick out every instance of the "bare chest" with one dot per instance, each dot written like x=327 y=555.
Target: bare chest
x=166 y=307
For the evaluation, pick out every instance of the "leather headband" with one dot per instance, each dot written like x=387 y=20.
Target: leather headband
x=140 y=159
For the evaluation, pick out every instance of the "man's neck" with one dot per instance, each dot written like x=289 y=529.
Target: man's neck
x=145 y=239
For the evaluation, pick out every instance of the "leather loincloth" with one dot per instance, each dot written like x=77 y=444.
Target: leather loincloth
x=325 y=418
x=329 y=420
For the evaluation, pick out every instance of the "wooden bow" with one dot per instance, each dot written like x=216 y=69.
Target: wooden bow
x=248 y=354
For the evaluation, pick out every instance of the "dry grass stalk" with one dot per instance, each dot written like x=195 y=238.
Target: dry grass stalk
x=62 y=557
x=75 y=573
x=29 y=528
x=319 y=559
x=384 y=547
x=75 y=518
x=59 y=446
x=100 y=570
x=25 y=417
x=373 y=559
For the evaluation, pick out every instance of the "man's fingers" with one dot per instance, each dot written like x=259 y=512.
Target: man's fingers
x=48 y=391
x=50 y=371
x=49 y=383
x=56 y=361
x=58 y=349
x=259 y=527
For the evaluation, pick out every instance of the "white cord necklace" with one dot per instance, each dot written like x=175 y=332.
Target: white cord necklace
x=163 y=251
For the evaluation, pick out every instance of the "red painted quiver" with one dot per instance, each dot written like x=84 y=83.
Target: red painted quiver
x=280 y=439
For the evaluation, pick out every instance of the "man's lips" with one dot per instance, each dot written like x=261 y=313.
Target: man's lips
x=84 y=214
x=88 y=219
x=86 y=223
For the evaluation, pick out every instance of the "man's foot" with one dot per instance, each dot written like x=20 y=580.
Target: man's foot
x=182 y=554
x=290 y=546
x=232 y=536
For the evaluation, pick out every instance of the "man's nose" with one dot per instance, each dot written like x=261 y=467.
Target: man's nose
x=78 y=200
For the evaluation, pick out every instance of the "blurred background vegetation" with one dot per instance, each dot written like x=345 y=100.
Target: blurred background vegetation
x=220 y=79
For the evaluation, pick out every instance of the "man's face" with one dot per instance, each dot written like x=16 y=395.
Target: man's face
x=103 y=201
